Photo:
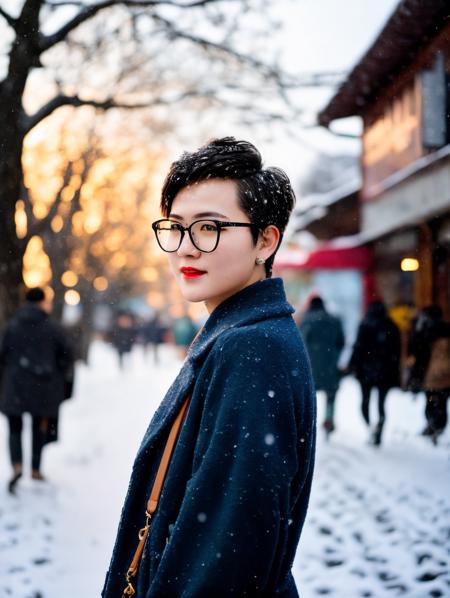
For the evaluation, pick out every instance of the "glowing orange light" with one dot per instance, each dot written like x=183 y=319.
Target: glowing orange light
x=409 y=264
x=72 y=297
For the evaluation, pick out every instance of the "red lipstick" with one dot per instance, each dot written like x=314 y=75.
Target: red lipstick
x=191 y=272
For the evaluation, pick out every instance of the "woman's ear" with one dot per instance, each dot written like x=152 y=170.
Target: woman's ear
x=268 y=241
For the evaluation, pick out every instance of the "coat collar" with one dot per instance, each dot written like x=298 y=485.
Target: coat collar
x=262 y=300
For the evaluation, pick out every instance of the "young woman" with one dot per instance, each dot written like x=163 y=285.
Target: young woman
x=236 y=492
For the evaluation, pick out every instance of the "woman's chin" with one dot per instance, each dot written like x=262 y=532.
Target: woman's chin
x=193 y=295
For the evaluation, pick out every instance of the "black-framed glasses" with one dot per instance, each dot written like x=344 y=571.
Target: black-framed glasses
x=204 y=234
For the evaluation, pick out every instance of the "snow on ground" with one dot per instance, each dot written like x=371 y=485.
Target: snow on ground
x=378 y=524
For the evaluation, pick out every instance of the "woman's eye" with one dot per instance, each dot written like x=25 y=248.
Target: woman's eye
x=209 y=227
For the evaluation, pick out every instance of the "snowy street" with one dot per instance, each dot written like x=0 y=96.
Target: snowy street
x=379 y=518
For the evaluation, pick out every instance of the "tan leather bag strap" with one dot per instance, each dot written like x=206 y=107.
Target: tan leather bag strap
x=152 y=502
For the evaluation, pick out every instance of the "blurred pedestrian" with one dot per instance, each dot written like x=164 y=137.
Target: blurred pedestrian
x=375 y=361
x=36 y=361
x=184 y=330
x=429 y=346
x=324 y=339
x=123 y=335
x=152 y=333
x=235 y=494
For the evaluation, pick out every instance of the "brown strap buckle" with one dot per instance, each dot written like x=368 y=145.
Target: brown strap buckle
x=129 y=590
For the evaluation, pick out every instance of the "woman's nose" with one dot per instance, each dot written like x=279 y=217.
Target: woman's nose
x=187 y=247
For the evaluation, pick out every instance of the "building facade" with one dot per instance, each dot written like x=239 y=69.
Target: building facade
x=401 y=90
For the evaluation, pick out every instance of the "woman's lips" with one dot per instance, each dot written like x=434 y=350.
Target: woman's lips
x=191 y=272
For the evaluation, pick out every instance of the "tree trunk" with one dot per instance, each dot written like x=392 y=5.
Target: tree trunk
x=11 y=248
x=23 y=57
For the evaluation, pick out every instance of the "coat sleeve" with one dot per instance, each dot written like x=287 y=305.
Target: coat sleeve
x=63 y=349
x=234 y=516
x=340 y=336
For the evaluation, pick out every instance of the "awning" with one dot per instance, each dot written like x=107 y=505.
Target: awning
x=326 y=258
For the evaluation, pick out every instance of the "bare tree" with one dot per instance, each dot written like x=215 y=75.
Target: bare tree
x=56 y=35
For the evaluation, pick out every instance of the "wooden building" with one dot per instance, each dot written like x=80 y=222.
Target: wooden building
x=401 y=90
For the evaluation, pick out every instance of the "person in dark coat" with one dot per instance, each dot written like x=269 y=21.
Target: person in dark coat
x=35 y=359
x=123 y=335
x=184 y=331
x=152 y=332
x=236 y=492
x=375 y=361
x=429 y=345
x=324 y=340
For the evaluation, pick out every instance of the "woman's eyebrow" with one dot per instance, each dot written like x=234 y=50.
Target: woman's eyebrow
x=200 y=215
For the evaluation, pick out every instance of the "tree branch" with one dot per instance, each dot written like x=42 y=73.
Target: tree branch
x=75 y=205
x=58 y=198
x=88 y=12
x=208 y=44
x=31 y=218
x=28 y=122
x=12 y=22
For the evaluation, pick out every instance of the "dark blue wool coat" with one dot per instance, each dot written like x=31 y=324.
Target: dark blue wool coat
x=236 y=494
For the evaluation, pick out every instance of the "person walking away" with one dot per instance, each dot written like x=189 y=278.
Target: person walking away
x=184 y=330
x=429 y=346
x=375 y=361
x=123 y=335
x=152 y=332
x=35 y=359
x=324 y=339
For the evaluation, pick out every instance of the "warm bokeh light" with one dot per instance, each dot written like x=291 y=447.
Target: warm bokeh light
x=155 y=299
x=21 y=219
x=149 y=274
x=72 y=297
x=40 y=209
x=36 y=265
x=77 y=224
x=118 y=260
x=114 y=241
x=57 y=223
x=69 y=278
x=100 y=283
x=409 y=264
x=49 y=293
x=92 y=223
x=67 y=194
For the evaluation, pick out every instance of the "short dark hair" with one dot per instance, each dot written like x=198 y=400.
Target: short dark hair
x=265 y=194
x=316 y=303
x=34 y=295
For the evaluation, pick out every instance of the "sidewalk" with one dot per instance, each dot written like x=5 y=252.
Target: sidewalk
x=379 y=520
